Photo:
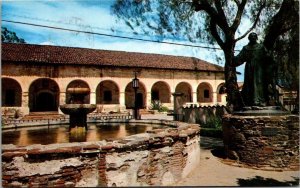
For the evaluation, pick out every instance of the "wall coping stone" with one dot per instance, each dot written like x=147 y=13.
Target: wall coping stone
x=166 y=136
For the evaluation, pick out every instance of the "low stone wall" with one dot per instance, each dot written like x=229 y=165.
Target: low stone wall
x=202 y=114
x=269 y=142
x=158 y=157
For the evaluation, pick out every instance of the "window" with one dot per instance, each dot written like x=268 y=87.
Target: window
x=206 y=93
x=107 y=96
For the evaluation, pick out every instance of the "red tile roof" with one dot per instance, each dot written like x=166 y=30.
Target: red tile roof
x=44 y=54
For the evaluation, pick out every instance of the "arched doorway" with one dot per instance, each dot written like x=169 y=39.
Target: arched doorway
x=43 y=95
x=141 y=96
x=186 y=90
x=11 y=93
x=107 y=92
x=161 y=92
x=204 y=93
x=78 y=84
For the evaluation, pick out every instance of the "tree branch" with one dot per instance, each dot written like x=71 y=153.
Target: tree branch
x=254 y=23
x=237 y=2
x=237 y=19
x=222 y=18
x=215 y=34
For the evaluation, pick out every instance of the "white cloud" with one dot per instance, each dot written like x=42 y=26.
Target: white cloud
x=47 y=43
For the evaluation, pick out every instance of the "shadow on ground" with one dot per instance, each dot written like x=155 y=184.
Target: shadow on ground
x=210 y=143
x=215 y=145
x=264 y=182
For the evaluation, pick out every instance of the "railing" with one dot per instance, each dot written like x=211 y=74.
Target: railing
x=16 y=121
x=110 y=116
x=65 y=119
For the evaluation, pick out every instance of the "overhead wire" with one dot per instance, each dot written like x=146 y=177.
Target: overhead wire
x=110 y=35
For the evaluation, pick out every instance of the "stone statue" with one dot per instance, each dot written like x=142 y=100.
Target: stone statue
x=259 y=84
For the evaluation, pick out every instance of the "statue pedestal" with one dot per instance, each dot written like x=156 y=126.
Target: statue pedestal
x=263 y=139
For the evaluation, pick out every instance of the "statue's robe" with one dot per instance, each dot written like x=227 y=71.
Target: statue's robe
x=257 y=68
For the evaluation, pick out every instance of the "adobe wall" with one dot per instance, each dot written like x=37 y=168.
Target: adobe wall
x=159 y=157
x=25 y=74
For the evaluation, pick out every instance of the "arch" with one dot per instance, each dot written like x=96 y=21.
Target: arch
x=107 y=92
x=78 y=84
x=204 y=92
x=11 y=93
x=161 y=91
x=43 y=95
x=141 y=96
x=186 y=89
x=221 y=90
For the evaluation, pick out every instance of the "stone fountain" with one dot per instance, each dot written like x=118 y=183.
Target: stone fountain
x=78 y=111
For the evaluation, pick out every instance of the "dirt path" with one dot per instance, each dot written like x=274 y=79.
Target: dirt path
x=212 y=172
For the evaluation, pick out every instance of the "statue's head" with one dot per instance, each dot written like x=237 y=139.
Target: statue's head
x=252 y=37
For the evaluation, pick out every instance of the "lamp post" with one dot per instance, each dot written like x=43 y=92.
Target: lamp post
x=135 y=85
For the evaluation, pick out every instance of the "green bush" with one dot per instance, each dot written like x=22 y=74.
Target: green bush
x=163 y=109
x=156 y=105
x=213 y=122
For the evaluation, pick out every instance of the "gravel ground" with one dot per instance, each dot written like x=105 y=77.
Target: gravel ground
x=213 y=171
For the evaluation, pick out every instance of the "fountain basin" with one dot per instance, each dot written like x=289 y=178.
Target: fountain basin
x=158 y=157
x=77 y=108
x=78 y=117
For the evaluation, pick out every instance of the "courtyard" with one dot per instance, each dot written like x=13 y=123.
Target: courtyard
x=118 y=93
x=214 y=170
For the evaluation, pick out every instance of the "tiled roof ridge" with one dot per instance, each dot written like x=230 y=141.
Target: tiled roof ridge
x=135 y=55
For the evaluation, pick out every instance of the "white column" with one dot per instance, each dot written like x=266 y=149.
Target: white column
x=194 y=97
x=93 y=98
x=62 y=98
x=215 y=98
x=122 y=98
x=148 y=100
x=25 y=103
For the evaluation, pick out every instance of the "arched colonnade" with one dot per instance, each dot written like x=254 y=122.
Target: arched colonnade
x=46 y=94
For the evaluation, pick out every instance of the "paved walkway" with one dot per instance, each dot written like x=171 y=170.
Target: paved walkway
x=213 y=172
x=156 y=116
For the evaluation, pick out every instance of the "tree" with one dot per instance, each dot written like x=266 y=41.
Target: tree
x=9 y=36
x=216 y=21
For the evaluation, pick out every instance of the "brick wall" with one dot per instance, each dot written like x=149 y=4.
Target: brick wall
x=159 y=157
x=263 y=141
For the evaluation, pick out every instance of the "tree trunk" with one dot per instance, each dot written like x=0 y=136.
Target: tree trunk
x=234 y=99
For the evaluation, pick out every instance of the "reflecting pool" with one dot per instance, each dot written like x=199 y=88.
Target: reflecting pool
x=60 y=133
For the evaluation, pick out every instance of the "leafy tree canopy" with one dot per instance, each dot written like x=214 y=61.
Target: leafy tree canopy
x=218 y=22
x=10 y=36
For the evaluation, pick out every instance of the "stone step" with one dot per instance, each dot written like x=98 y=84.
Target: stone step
x=43 y=115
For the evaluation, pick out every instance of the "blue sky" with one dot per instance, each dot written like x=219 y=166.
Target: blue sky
x=92 y=16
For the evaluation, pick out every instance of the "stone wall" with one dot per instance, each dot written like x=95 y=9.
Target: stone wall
x=158 y=157
x=202 y=114
x=263 y=141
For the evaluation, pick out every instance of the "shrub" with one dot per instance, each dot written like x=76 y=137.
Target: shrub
x=156 y=105
x=213 y=122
